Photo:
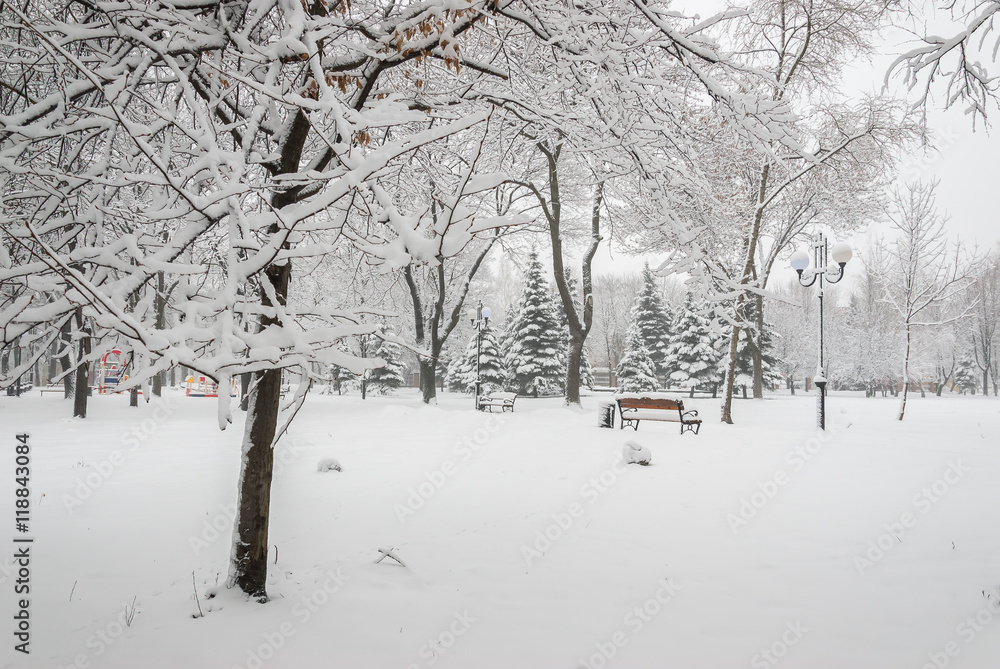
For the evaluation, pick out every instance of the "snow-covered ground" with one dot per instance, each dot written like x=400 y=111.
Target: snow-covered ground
x=526 y=542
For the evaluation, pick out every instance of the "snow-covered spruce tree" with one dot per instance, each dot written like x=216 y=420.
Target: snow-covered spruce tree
x=691 y=354
x=455 y=374
x=652 y=319
x=532 y=358
x=745 y=352
x=586 y=372
x=635 y=371
x=383 y=380
x=491 y=368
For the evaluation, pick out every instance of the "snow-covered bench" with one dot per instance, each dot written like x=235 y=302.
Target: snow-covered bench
x=635 y=408
x=503 y=400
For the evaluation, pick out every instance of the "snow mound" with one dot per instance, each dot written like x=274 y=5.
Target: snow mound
x=638 y=454
x=328 y=464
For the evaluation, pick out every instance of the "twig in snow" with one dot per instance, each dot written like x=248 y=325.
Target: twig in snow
x=129 y=615
x=389 y=553
x=195 y=586
x=72 y=590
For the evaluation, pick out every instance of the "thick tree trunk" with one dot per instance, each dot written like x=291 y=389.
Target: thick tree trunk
x=82 y=370
x=573 y=370
x=428 y=378
x=249 y=563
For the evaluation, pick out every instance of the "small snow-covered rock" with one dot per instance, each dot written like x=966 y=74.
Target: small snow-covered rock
x=328 y=464
x=638 y=454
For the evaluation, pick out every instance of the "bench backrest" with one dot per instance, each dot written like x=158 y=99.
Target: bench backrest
x=500 y=396
x=650 y=403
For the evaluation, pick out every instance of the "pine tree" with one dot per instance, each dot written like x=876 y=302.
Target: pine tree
x=456 y=372
x=586 y=373
x=744 y=355
x=462 y=375
x=653 y=319
x=691 y=353
x=383 y=380
x=635 y=370
x=532 y=358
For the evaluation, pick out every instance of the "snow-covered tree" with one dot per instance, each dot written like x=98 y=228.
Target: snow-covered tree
x=586 y=374
x=461 y=376
x=652 y=319
x=532 y=359
x=920 y=270
x=954 y=58
x=636 y=372
x=691 y=353
x=985 y=319
x=389 y=377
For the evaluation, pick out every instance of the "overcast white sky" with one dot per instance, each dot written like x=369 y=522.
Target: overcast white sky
x=963 y=162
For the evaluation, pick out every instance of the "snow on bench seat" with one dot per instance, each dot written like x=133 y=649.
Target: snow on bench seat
x=633 y=407
x=503 y=400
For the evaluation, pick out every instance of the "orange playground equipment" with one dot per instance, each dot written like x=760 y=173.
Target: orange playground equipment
x=205 y=387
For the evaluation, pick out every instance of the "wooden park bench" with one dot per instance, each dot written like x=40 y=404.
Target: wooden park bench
x=635 y=408
x=503 y=400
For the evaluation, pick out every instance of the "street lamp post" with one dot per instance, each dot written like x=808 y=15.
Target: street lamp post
x=480 y=318
x=841 y=253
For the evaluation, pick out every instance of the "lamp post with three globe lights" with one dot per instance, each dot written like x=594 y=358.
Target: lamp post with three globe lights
x=841 y=253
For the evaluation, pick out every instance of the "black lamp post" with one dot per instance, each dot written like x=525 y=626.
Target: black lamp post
x=841 y=253
x=480 y=318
